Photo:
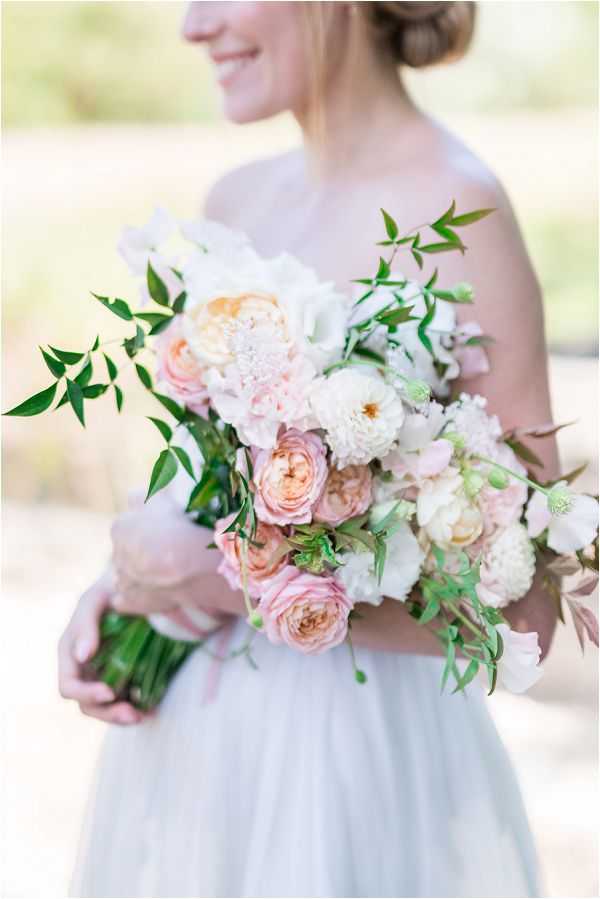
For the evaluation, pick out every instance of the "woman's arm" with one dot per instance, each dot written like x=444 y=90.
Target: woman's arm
x=508 y=307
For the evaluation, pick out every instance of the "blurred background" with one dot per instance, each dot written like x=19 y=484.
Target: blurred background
x=106 y=114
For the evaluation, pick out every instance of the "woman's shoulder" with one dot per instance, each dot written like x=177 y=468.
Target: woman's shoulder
x=227 y=200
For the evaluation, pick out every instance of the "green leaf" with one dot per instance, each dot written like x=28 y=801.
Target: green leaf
x=184 y=459
x=179 y=302
x=446 y=218
x=383 y=271
x=418 y=258
x=37 y=403
x=156 y=287
x=424 y=323
x=119 y=307
x=443 y=247
x=57 y=368
x=461 y=220
x=118 y=397
x=432 y=280
x=204 y=491
x=95 y=344
x=94 y=390
x=75 y=395
x=524 y=453
x=165 y=469
x=170 y=405
x=144 y=376
x=393 y=317
x=154 y=318
x=162 y=426
x=391 y=227
x=470 y=672
x=132 y=345
x=111 y=367
x=84 y=376
x=67 y=357
x=62 y=401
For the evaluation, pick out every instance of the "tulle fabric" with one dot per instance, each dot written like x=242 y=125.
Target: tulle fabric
x=296 y=781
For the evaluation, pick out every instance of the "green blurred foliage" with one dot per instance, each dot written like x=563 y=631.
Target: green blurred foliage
x=68 y=62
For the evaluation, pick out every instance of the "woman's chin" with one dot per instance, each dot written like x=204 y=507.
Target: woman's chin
x=244 y=109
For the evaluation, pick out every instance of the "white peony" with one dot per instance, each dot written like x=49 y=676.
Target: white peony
x=447 y=515
x=507 y=567
x=401 y=572
x=360 y=414
x=569 y=532
x=224 y=295
x=518 y=667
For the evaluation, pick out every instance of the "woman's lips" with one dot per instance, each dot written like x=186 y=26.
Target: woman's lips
x=229 y=67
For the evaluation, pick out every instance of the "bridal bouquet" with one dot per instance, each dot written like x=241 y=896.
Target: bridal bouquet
x=324 y=449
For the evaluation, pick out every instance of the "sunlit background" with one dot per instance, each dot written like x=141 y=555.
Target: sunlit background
x=106 y=114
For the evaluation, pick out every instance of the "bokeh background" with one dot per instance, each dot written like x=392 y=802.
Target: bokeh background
x=106 y=113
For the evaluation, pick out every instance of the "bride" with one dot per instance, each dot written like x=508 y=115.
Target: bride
x=291 y=780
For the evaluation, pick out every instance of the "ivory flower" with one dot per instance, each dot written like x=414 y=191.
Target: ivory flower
x=448 y=516
x=518 y=667
x=507 y=567
x=263 y=560
x=138 y=245
x=289 y=478
x=566 y=533
x=347 y=493
x=360 y=414
x=309 y=612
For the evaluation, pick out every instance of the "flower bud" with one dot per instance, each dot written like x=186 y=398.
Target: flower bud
x=498 y=478
x=473 y=482
x=560 y=500
x=361 y=677
x=255 y=620
x=417 y=391
x=463 y=292
x=457 y=440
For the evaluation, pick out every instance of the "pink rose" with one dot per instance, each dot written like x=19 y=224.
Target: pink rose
x=181 y=370
x=309 y=612
x=472 y=359
x=347 y=493
x=262 y=560
x=289 y=478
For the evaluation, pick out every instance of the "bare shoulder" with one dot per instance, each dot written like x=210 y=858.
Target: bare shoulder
x=231 y=197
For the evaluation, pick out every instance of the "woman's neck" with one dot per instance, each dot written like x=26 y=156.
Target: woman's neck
x=364 y=99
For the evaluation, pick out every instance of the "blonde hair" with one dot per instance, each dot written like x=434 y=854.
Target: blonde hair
x=421 y=34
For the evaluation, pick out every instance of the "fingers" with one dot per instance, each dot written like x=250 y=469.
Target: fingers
x=118 y=713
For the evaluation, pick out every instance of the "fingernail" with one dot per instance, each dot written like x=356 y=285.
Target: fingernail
x=83 y=650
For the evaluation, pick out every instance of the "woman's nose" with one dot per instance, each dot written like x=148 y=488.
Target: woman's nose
x=203 y=21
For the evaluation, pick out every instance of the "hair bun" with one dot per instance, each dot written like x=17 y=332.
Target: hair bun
x=422 y=33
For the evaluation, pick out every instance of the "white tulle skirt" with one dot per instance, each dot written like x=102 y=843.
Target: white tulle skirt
x=293 y=780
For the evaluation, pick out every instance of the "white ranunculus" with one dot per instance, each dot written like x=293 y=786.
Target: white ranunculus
x=518 y=667
x=445 y=512
x=360 y=414
x=566 y=533
x=403 y=562
x=136 y=245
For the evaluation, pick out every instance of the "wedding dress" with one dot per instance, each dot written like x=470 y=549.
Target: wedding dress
x=294 y=780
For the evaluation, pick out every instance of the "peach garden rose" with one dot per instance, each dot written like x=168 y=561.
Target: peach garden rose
x=309 y=612
x=347 y=493
x=289 y=478
x=262 y=558
x=180 y=369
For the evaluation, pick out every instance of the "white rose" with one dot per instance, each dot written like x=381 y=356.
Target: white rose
x=448 y=517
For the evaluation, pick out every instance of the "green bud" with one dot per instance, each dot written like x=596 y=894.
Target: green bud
x=255 y=620
x=473 y=482
x=463 y=292
x=361 y=677
x=457 y=440
x=417 y=391
x=498 y=479
x=560 y=500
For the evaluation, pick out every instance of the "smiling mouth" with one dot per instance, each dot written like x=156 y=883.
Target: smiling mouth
x=229 y=67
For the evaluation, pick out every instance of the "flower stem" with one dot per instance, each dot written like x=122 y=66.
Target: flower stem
x=513 y=474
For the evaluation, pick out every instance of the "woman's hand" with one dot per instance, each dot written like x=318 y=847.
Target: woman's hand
x=78 y=645
x=161 y=562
